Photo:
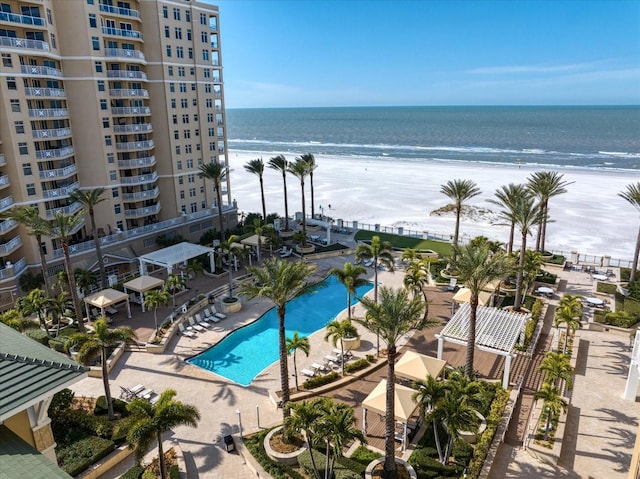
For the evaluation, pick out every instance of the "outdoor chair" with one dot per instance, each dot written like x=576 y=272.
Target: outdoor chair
x=195 y=325
x=308 y=372
x=185 y=332
x=217 y=314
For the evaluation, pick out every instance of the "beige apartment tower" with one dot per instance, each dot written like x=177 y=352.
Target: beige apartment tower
x=121 y=95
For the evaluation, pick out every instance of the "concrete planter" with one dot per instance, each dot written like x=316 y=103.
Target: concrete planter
x=470 y=436
x=230 y=307
x=351 y=344
x=306 y=249
x=290 y=459
x=96 y=371
x=368 y=473
x=286 y=234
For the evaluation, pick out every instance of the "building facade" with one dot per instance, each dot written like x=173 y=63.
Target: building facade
x=122 y=95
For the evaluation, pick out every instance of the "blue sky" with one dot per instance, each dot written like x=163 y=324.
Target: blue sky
x=376 y=53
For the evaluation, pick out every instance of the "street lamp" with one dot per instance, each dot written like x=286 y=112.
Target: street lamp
x=239 y=421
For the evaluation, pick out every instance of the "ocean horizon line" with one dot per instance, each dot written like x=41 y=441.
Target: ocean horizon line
x=577 y=106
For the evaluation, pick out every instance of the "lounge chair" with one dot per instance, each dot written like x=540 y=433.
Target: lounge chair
x=216 y=314
x=202 y=322
x=320 y=367
x=154 y=399
x=287 y=253
x=452 y=284
x=185 y=332
x=195 y=325
x=126 y=394
x=146 y=394
x=308 y=372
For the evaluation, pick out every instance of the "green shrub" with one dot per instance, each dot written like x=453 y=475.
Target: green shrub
x=364 y=455
x=61 y=401
x=255 y=445
x=73 y=424
x=37 y=335
x=149 y=474
x=632 y=306
x=341 y=468
x=134 y=473
x=621 y=319
x=57 y=344
x=318 y=381
x=536 y=309
x=119 y=406
x=606 y=288
x=356 y=365
x=174 y=472
x=76 y=457
x=547 y=278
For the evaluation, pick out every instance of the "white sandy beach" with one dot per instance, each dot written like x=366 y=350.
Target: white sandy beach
x=590 y=218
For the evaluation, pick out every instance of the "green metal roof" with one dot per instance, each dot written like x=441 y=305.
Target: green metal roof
x=19 y=459
x=30 y=370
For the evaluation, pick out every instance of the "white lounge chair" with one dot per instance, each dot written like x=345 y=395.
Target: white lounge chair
x=287 y=253
x=202 y=322
x=308 y=372
x=195 y=325
x=185 y=332
x=452 y=284
x=217 y=314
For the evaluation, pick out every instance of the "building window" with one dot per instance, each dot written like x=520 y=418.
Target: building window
x=119 y=225
x=26 y=169
x=176 y=134
x=187 y=16
x=183 y=88
x=180 y=180
x=197 y=132
x=98 y=67
x=170 y=71
x=192 y=178
x=209 y=103
x=187 y=134
x=178 y=33
x=204 y=38
x=193 y=87
x=54 y=44
x=6 y=60
x=187 y=150
x=89 y=2
x=203 y=19
x=11 y=83
x=195 y=117
x=175 y=119
x=22 y=148
x=177 y=149
x=49 y=16
x=184 y=103
x=192 y=192
x=117 y=208
x=192 y=71
x=105 y=123
x=189 y=36
x=176 y=14
x=103 y=104
x=172 y=87
x=110 y=159
x=189 y=162
x=95 y=42
x=19 y=127
x=211 y=132
x=167 y=31
x=169 y=50
x=205 y=55
x=92 y=20
x=180 y=71
x=190 y=53
x=107 y=140
x=165 y=11
x=198 y=148
x=179 y=164
x=209 y=117
x=207 y=73
x=31 y=189
x=207 y=88
x=180 y=52
x=112 y=175
x=185 y=118
x=182 y=197
x=194 y=101
x=115 y=192
x=173 y=103
x=100 y=85
x=194 y=207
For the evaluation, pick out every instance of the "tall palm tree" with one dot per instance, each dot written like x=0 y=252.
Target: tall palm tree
x=194 y=267
x=527 y=216
x=553 y=403
x=300 y=169
x=428 y=394
x=304 y=418
x=148 y=422
x=57 y=307
x=29 y=217
x=557 y=367
x=459 y=191
x=416 y=277
x=280 y=163
x=256 y=167
x=397 y=314
x=38 y=303
x=311 y=164
x=88 y=345
x=381 y=252
x=85 y=279
x=154 y=299
x=173 y=284
x=349 y=276
x=217 y=174
x=570 y=314
x=508 y=198
x=545 y=185
x=89 y=199
x=295 y=343
x=477 y=267
x=454 y=411
x=230 y=249
x=632 y=195
x=259 y=230
x=337 y=331
x=279 y=281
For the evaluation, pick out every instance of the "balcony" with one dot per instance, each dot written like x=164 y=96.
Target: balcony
x=132 y=74
x=135 y=145
x=11 y=246
x=13 y=270
x=139 y=180
x=4 y=181
x=141 y=195
x=133 y=128
x=125 y=93
x=56 y=153
x=67 y=210
x=6 y=203
x=2 y=160
x=7 y=225
x=58 y=173
x=45 y=92
x=124 y=53
x=60 y=192
x=137 y=162
x=130 y=110
x=48 y=112
x=53 y=133
x=119 y=32
x=141 y=212
x=40 y=71
x=22 y=19
x=127 y=12
x=24 y=43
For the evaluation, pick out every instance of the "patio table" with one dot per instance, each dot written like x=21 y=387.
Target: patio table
x=545 y=290
x=600 y=277
x=594 y=301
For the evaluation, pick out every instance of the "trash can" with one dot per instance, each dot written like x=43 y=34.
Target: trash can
x=212 y=298
x=228 y=443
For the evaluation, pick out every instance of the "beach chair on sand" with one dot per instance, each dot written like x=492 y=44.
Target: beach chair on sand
x=185 y=332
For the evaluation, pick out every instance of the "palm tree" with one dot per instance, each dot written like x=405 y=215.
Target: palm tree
x=85 y=279
x=556 y=367
x=29 y=217
x=57 y=307
x=279 y=281
x=280 y=163
x=36 y=302
x=300 y=169
x=15 y=320
x=428 y=395
x=416 y=277
x=256 y=167
x=381 y=253
x=553 y=404
x=457 y=415
x=89 y=199
x=216 y=173
x=154 y=299
x=569 y=313
x=527 y=216
x=632 y=195
x=397 y=314
x=410 y=255
x=88 y=345
x=230 y=249
x=295 y=343
x=476 y=268
x=194 y=267
x=304 y=418
x=147 y=422
x=339 y=330
x=311 y=164
x=545 y=185
x=459 y=191
x=349 y=276
x=508 y=198
x=259 y=230
x=174 y=283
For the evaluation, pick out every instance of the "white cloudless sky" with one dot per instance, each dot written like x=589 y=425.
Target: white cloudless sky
x=368 y=53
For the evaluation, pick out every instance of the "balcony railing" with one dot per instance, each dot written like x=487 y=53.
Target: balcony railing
x=53 y=133
x=4 y=181
x=57 y=153
x=22 y=19
x=137 y=162
x=140 y=212
x=48 y=112
x=124 y=93
x=13 y=270
x=6 y=203
x=139 y=180
x=133 y=128
x=141 y=195
x=129 y=110
x=2 y=160
x=7 y=225
x=10 y=246
x=24 y=43
x=133 y=74
x=123 y=53
x=119 y=32
x=67 y=210
x=60 y=192
x=135 y=145
x=119 y=11
x=41 y=71
x=58 y=172
x=45 y=92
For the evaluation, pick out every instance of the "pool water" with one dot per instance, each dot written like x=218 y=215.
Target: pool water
x=244 y=353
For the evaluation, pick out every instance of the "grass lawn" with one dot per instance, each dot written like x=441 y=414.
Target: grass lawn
x=402 y=242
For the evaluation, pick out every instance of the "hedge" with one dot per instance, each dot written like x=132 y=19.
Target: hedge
x=364 y=455
x=77 y=457
x=340 y=470
x=621 y=319
x=119 y=406
x=37 y=335
x=134 y=473
x=318 y=381
x=255 y=445
x=356 y=365
x=547 y=278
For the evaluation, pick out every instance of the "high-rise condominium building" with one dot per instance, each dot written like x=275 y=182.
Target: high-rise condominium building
x=121 y=95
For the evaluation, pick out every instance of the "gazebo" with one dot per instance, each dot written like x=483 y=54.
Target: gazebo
x=141 y=284
x=464 y=296
x=497 y=332
x=172 y=255
x=417 y=367
x=405 y=406
x=105 y=298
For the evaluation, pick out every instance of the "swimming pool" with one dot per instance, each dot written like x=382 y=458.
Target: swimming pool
x=244 y=353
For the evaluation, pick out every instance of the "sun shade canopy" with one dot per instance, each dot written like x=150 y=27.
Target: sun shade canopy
x=417 y=367
x=172 y=255
x=464 y=296
x=105 y=298
x=405 y=406
x=143 y=283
